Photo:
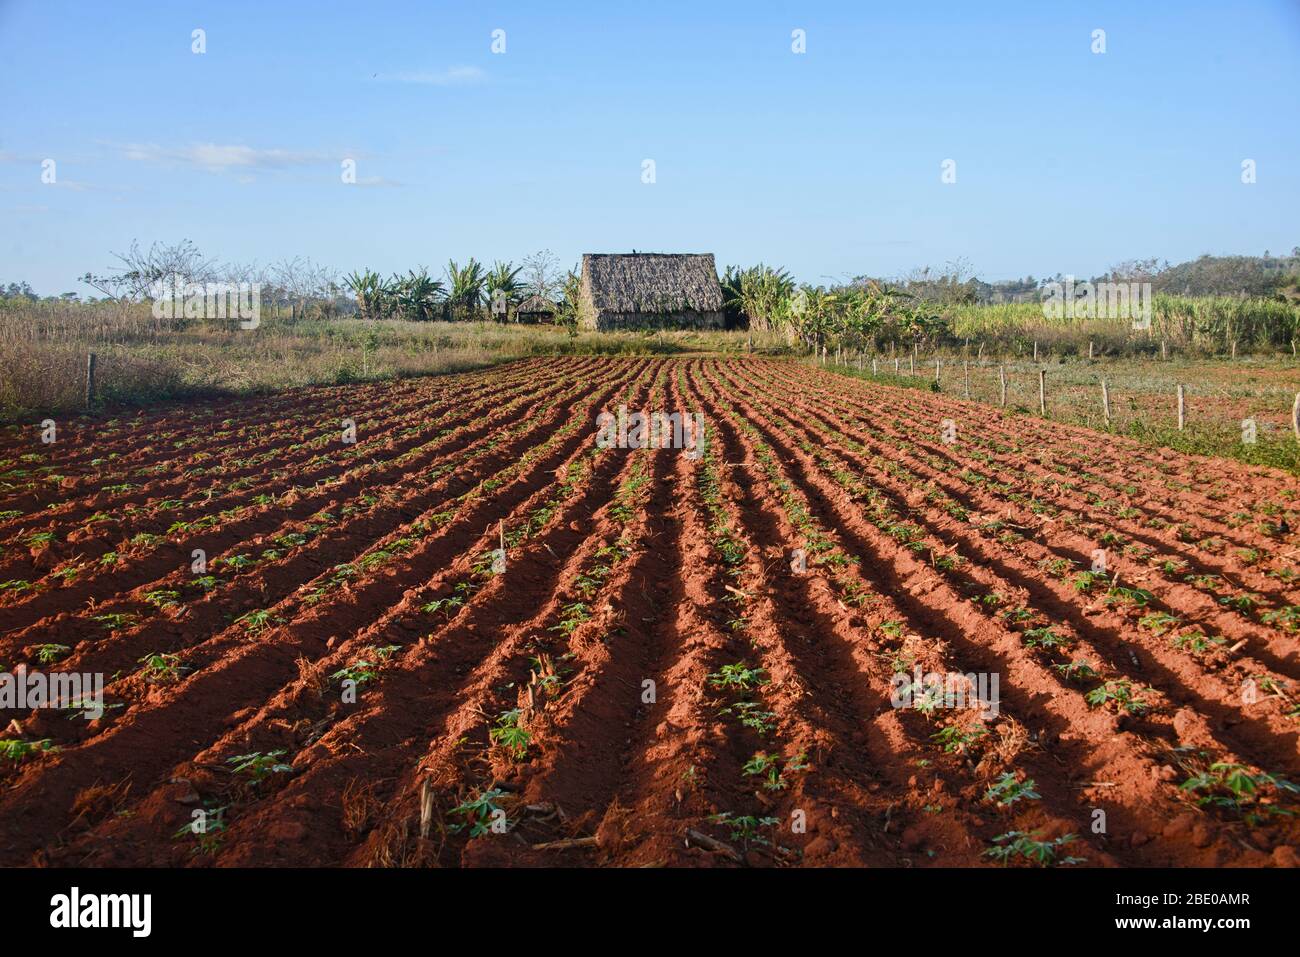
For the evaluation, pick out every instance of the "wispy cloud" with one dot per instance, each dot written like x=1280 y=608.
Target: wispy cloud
x=217 y=158
x=451 y=76
x=377 y=181
x=60 y=182
x=11 y=156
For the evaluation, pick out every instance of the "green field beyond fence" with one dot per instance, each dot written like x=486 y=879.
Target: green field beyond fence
x=1201 y=325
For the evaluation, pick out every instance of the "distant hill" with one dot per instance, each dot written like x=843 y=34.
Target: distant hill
x=1265 y=275
x=1228 y=275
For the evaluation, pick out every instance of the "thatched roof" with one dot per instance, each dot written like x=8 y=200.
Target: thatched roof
x=537 y=303
x=652 y=282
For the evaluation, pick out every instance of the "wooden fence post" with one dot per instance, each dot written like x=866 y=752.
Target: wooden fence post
x=911 y=364
x=1105 y=401
x=1182 y=408
x=1295 y=417
x=873 y=365
x=1042 y=391
x=90 y=379
x=1089 y=348
x=937 y=363
x=965 y=368
x=1035 y=350
x=1002 y=382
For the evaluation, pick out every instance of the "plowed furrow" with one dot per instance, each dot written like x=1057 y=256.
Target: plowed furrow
x=251 y=461
x=1047 y=484
x=834 y=636
x=1087 y=456
x=97 y=454
x=1109 y=637
x=468 y=423
x=598 y=628
x=1158 y=530
x=460 y=445
x=625 y=727
x=954 y=831
x=167 y=455
x=1136 y=477
x=250 y=670
x=1059 y=543
x=387 y=521
x=452 y=673
x=385 y=726
x=1030 y=690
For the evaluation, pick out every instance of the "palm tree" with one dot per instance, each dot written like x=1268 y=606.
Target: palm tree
x=465 y=295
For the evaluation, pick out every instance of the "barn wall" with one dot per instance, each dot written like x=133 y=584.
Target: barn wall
x=683 y=319
x=586 y=306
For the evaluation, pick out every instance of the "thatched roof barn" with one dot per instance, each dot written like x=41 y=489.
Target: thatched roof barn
x=536 y=308
x=650 y=290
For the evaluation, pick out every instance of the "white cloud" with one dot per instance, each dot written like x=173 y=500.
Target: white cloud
x=451 y=76
x=377 y=181
x=9 y=156
x=217 y=158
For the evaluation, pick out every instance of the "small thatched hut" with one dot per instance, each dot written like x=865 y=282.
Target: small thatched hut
x=655 y=290
x=536 y=308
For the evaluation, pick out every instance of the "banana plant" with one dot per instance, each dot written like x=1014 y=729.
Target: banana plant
x=502 y=282
x=372 y=292
x=759 y=293
x=570 y=305
x=467 y=285
x=418 y=297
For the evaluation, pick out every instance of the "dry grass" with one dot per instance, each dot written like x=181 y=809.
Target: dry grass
x=98 y=801
x=360 y=805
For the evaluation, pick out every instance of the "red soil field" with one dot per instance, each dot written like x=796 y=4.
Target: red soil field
x=1147 y=714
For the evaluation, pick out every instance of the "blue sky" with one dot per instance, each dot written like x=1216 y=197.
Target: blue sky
x=826 y=162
